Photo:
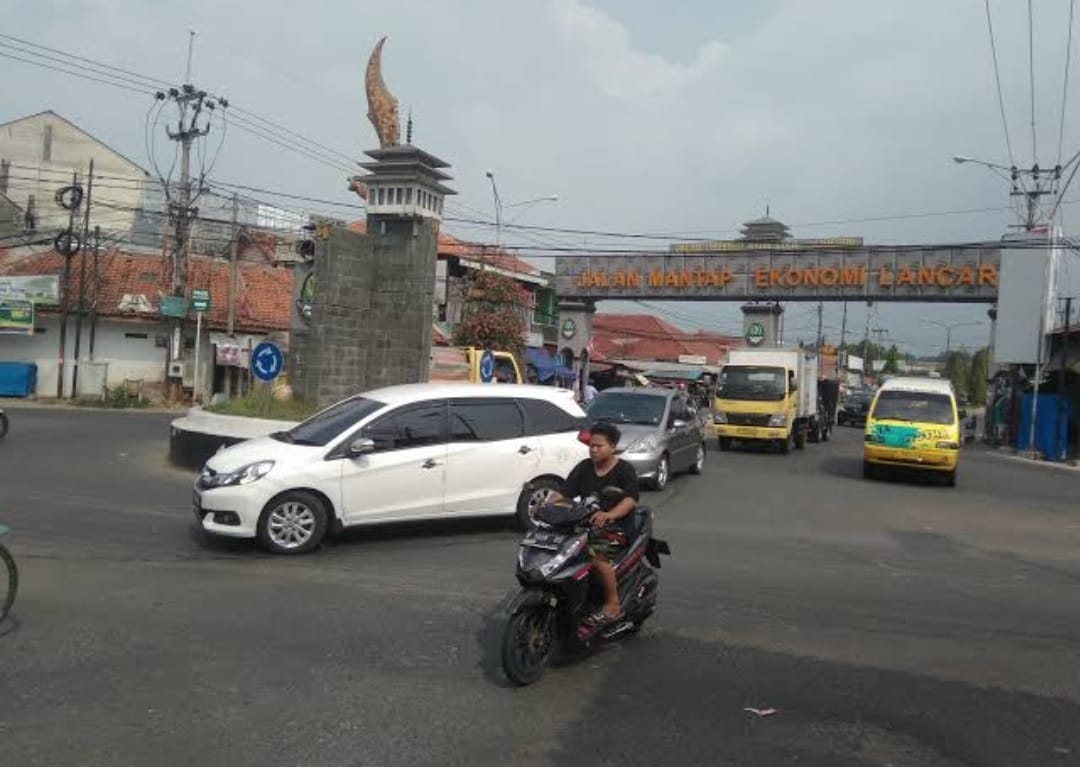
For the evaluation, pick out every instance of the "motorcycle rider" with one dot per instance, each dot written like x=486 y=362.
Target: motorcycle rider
x=603 y=469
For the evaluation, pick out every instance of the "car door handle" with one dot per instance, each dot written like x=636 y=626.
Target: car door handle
x=525 y=449
x=430 y=463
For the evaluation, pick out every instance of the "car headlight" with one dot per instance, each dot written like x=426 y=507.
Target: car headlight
x=643 y=445
x=719 y=417
x=947 y=445
x=245 y=475
x=559 y=560
x=778 y=419
x=873 y=439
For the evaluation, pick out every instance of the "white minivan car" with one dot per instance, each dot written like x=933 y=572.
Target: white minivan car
x=411 y=452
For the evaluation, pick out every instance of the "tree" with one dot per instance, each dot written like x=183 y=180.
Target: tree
x=978 y=376
x=958 y=371
x=494 y=313
x=892 y=361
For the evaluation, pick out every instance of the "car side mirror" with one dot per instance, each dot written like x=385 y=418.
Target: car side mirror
x=361 y=446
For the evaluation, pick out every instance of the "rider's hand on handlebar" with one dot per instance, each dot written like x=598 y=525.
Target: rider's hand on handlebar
x=600 y=518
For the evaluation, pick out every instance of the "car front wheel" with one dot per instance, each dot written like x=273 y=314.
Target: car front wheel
x=293 y=523
x=663 y=473
x=699 y=460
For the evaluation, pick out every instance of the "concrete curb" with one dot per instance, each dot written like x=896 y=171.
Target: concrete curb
x=196 y=436
x=1009 y=454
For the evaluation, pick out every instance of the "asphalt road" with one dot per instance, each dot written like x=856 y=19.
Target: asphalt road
x=890 y=624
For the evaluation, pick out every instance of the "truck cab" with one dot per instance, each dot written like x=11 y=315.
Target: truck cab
x=462 y=364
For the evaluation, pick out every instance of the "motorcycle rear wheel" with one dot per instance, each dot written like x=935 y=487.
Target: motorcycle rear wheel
x=527 y=645
x=3 y=425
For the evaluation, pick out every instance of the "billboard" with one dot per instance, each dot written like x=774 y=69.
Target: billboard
x=38 y=288
x=16 y=316
x=1025 y=311
x=873 y=273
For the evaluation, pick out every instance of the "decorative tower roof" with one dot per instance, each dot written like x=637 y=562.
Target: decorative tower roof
x=765 y=229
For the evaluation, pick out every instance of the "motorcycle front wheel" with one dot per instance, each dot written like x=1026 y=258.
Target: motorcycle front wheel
x=527 y=644
x=3 y=425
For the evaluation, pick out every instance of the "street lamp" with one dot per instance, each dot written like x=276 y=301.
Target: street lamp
x=530 y=203
x=949 y=327
x=498 y=208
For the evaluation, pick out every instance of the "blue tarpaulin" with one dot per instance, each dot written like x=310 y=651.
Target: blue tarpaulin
x=18 y=379
x=545 y=365
x=1051 y=429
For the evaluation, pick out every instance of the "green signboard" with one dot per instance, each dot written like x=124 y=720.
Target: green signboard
x=755 y=334
x=174 y=306
x=17 y=316
x=200 y=299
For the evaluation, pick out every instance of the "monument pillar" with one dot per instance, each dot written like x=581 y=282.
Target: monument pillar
x=761 y=324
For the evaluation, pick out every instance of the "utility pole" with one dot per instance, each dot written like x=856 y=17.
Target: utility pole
x=1062 y=378
x=233 y=255
x=97 y=287
x=68 y=245
x=866 y=342
x=820 y=339
x=191 y=103
x=843 y=338
x=82 y=283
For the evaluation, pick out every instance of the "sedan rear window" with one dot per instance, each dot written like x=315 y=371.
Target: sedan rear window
x=323 y=427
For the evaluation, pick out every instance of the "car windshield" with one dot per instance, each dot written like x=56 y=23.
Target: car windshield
x=323 y=427
x=627 y=408
x=915 y=406
x=751 y=383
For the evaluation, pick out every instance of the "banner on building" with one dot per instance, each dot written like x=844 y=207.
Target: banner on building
x=37 y=288
x=16 y=316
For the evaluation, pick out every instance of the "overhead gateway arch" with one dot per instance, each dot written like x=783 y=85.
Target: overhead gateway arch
x=841 y=269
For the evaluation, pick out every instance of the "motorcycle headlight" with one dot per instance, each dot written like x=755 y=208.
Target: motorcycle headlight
x=643 y=445
x=245 y=475
x=557 y=562
x=778 y=419
x=719 y=417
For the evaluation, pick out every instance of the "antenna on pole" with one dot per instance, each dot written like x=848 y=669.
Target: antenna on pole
x=408 y=128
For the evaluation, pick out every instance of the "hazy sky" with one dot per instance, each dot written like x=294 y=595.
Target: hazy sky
x=642 y=117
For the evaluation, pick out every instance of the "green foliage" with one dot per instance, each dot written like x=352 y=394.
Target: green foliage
x=892 y=361
x=977 y=378
x=259 y=405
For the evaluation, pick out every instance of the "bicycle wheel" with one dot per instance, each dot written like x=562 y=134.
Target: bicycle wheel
x=8 y=586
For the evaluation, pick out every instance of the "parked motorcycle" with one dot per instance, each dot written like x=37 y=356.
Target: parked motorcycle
x=557 y=593
x=3 y=424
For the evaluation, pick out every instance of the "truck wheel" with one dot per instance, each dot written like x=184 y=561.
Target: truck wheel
x=785 y=445
x=869 y=470
x=826 y=433
x=800 y=438
x=724 y=443
x=815 y=433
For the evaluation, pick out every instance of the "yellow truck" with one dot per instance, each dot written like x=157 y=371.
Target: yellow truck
x=769 y=396
x=466 y=364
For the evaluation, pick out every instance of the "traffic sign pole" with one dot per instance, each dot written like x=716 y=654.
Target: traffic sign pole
x=195 y=374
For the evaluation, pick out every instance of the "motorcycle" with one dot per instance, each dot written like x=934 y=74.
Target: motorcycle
x=557 y=594
x=3 y=424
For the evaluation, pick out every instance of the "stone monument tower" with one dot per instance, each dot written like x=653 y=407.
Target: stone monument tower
x=363 y=308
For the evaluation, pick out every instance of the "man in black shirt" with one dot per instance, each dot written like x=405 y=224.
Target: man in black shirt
x=606 y=542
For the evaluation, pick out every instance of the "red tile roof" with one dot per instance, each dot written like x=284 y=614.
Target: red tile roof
x=640 y=336
x=450 y=246
x=264 y=295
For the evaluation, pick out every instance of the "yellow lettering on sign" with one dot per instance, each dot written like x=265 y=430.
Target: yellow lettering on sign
x=885 y=277
x=988 y=275
x=906 y=277
x=830 y=276
x=927 y=275
x=946 y=277
x=761 y=278
x=656 y=279
x=967 y=276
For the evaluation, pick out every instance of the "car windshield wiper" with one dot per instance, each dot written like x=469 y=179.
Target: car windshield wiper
x=283 y=436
